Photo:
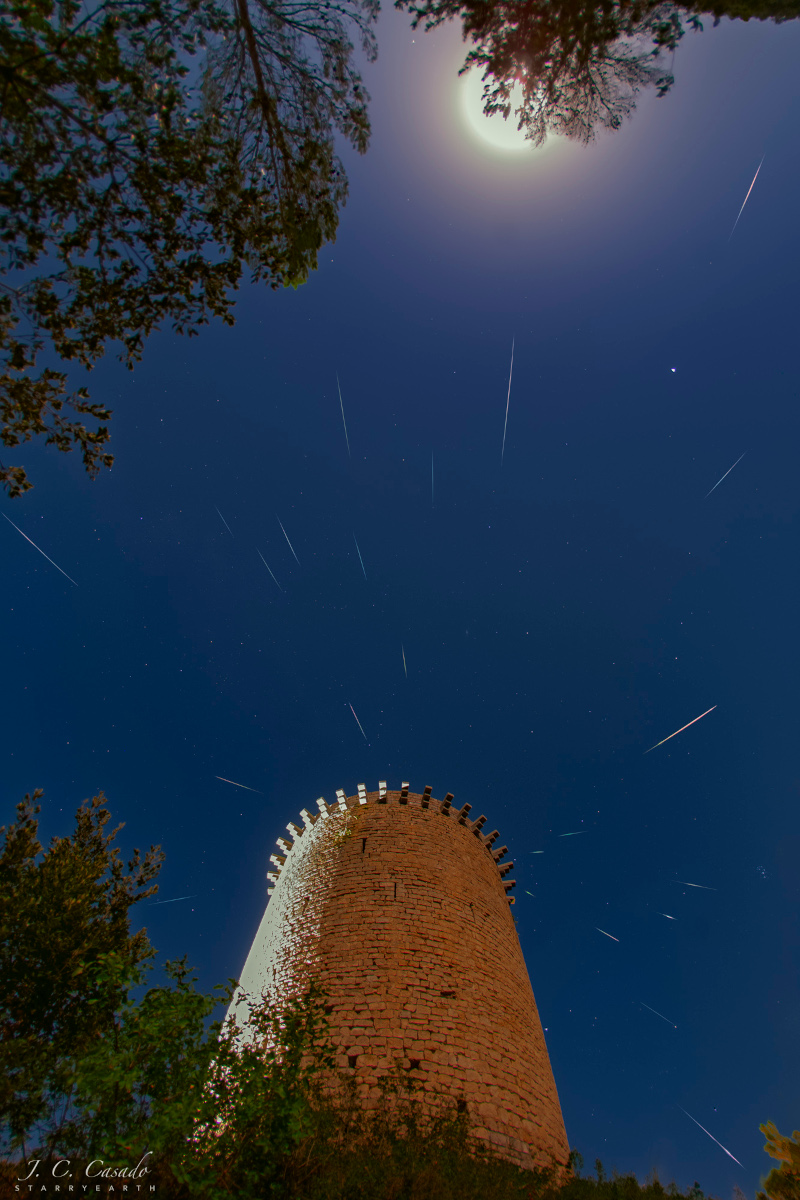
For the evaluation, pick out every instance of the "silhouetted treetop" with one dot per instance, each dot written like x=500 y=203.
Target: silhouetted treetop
x=576 y=65
x=151 y=153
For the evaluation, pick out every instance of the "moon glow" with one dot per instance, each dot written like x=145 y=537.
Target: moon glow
x=495 y=131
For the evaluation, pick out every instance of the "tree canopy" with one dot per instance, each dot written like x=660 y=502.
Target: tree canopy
x=151 y=152
x=571 y=67
x=783 y=1181
x=67 y=954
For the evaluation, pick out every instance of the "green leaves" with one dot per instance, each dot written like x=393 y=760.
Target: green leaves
x=67 y=955
x=783 y=1182
x=87 y=1061
x=150 y=153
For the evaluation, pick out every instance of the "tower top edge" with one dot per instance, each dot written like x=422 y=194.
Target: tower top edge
x=400 y=797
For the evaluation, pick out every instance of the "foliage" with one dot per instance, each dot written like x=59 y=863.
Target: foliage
x=67 y=957
x=783 y=1182
x=85 y=1063
x=150 y=151
x=577 y=64
x=399 y=1151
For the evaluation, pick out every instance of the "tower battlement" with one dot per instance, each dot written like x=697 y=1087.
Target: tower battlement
x=425 y=801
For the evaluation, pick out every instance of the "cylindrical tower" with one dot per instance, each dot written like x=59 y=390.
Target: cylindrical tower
x=399 y=905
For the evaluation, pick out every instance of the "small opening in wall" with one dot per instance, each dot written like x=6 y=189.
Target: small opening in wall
x=395 y=891
x=449 y=995
x=352 y=1059
x=363 y=845
x=413 y=1064
x=461 y=1105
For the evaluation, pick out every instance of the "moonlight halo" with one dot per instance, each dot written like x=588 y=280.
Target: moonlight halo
x=495 y=130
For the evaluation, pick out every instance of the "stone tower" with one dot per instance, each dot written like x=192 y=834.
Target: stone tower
x=399 y=905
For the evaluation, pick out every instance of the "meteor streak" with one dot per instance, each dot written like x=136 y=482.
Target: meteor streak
x=346 y=438
x=669 y=918
x=725 y=476
x=700 y=885
x=175 y=901
x=575 y=834
x=705 y=1131
x=230 y=531
x=285 y=534
x=358 y=723
x=241 y=785
x=677 y=731
x=47 y=556
x=735 y=223
x=658 y=1014
x=508 y=398
x=599 y=930
x=360 y=559
x=266 y=564
x=402 y=651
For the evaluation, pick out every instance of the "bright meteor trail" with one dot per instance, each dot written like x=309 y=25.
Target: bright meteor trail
x=508 y=398
x=285 y=534
x=341 y=405
x=358 y=723
x=735 y=223
x=402 y=651
x=230 y=531
x=658 y=1014
x=599 y=930
x=241 y=785
x=360 y=559
x=266 y=564
x=705 y=1131
x=677 y=731
x=47 y=556
x=725 y=476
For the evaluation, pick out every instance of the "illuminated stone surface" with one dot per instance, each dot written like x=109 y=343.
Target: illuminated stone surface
x=399 y=905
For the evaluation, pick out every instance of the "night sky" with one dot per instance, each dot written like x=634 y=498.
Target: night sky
x=559 y=613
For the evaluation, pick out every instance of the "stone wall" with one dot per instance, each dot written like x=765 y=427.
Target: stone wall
x=399 y=904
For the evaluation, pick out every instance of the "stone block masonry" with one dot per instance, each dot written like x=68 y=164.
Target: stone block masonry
x=400 y=906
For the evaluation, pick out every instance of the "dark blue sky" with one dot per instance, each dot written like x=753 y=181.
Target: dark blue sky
x=559 y=615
